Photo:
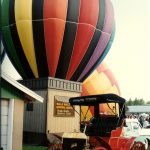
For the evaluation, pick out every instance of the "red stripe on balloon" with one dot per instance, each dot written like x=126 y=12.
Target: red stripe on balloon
x=110 y=76
x=104 y=69
x=55 y=12
x=89 y=11
x=101 y=68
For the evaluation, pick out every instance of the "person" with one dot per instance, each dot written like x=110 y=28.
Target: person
x=146 y=122
x=141 y=120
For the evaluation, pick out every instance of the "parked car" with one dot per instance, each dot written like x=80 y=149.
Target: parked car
x=133 y=128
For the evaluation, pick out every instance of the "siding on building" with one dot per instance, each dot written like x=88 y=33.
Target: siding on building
x=61 y=124
x=13 y=95
x=7 y=108
x=8 y=91
x=35 y=121
x=65 y=85
x=4 y=123
x=17 y=124
x=139 y=109
x=42 y=118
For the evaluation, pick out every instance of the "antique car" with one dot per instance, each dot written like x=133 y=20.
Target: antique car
x=134 y=128
x=108 y=131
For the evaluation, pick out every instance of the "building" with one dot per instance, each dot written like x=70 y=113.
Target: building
x=55 y=113
x=139 y=109
x=12 y=99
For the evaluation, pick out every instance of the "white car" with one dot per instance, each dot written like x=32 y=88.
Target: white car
x=133 y=128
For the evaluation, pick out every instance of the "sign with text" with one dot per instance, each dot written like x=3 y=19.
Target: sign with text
x=62 y=107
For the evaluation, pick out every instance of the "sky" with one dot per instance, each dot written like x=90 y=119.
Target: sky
x=129 y=55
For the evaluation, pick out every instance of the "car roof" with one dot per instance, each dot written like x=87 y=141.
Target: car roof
x=96 y=99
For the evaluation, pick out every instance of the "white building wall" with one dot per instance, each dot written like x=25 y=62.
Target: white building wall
x=7 y=108
x=4 y=123
x=61 y=124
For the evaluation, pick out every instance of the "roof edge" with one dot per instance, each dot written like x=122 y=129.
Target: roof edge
x=20 y=87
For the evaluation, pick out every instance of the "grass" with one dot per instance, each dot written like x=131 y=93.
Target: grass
x=42 y=148
x=34 y=148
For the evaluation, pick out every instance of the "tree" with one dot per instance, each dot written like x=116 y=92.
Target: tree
x=136 y=101
x=148 y=102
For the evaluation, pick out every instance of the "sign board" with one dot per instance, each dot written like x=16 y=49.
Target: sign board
x=62 y=107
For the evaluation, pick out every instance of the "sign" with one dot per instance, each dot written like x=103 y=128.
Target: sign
x=62 y=107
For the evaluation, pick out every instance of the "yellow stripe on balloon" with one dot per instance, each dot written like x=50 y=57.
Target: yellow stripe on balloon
x=99 y=83
x=113 y=89
x=23 y=16
x=93 y=75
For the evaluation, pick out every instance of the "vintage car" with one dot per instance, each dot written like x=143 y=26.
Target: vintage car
x=111 y=132
x=131 y=132
x=105 y=131
x=134 y=128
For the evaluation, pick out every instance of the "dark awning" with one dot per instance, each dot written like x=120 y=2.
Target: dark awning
x=96 y=99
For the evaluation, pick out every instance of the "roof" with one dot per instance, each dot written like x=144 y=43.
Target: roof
x=28 y=93
x=139 y=108
x=96 y=99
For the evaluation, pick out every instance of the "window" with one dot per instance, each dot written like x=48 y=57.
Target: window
x=29 y=107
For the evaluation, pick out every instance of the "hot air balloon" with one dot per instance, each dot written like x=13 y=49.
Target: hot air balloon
x=2 y=51
x=101 y=81
x=65 y=39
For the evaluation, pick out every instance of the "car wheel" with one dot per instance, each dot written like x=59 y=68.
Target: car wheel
x=138 y=146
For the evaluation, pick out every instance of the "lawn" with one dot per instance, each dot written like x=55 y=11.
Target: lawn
x=34 y=148
x=41 y=148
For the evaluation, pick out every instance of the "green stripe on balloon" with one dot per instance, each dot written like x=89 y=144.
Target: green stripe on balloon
x=8 y=40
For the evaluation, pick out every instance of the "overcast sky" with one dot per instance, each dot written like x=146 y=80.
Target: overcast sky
x=129 y=56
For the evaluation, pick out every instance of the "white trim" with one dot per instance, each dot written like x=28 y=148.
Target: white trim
x=22 y=88
x=10 y=124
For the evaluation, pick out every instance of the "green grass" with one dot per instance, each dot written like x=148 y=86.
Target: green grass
x=34 y=148
x=42 y=148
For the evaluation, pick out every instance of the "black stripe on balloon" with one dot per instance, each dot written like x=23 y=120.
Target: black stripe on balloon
x=102 y=56
x=15 y=37
x=3 y=47
x=2 y=56
x=38 y=38
x=11 y=12
x=69 y=38
x=93 y=42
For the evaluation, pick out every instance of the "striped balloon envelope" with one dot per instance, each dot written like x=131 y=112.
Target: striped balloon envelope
x=65 y=39
x=101 y=81
x=2 y=49
x=2 y=52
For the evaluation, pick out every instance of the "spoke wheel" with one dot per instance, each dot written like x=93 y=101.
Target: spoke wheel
x=138 y=146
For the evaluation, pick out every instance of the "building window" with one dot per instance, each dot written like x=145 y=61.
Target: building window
x=29 y=107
